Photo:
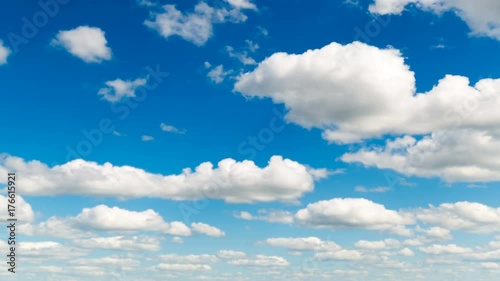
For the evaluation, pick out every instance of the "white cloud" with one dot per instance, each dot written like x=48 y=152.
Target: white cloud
x=147 y=138
x=48 y=250
x=217 y=74
x=277 y=216
x=352 y=213
x=232 y=181
x=196 y=26
x=436 y=232
x=189 y=259
x=464 y=216
x=482 y=16
x=356 y=91
x=54 y=227
x=261 y=261
x=121 y=243
x=118 y=90
x=378 y=245
x=252 y=46
x=242 y=4
x=207 y=229
x=380 y=189
x=4 y=53
x=241 y=56
x=445 y=249
x=23 y=211
x=171 y=129
x=84 y=42
x=347 y=255
x=302 y=244
x=406 y=252
x=230 y=254
x=183 y=267
x=104 y=218
x=456 y=155
x=177 y=240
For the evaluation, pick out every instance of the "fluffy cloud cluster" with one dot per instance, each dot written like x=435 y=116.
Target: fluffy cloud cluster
x=120 y=243
x=464 y=216
x=85 y=42
x=482 y=16
x=196 y=26
x=355 y=92
x=353 y=213
x=114 y=220
x=261 y=261
x=232 y=181
x=457 y=155
x=324 y=250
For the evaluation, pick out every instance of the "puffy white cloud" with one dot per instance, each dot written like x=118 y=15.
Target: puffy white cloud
x=85 y=42
x=235 y=182
x=353 y=213
x=121 y=243
x=107 y=219
x=207 y=229
x=189 y=259
x=347 y=255
x=356 y=91
x=261 y=261
x=335 y=86
x=445 y=249
x=302 y=244
x=48 y=249
x=406 y=252
x=217 y=74
x=104 y=218
x=482 y=16
x=171 y=129
x=377 y=245
x=455 y=155
x=183 y=267
x=4 y=53
x=118 y=90
x=242 y=4
x=464 y=216
x=23 y=211
x=276 y=216
x=230 y=254
x=436 y=232
x=106 y=262
x=196 y=26
x=54 y=227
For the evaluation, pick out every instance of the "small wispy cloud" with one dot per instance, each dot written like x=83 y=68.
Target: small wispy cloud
x=171 y=129
x=147 y=138
x=380 y=189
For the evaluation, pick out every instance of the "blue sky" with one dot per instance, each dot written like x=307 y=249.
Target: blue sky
x=252 y=140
